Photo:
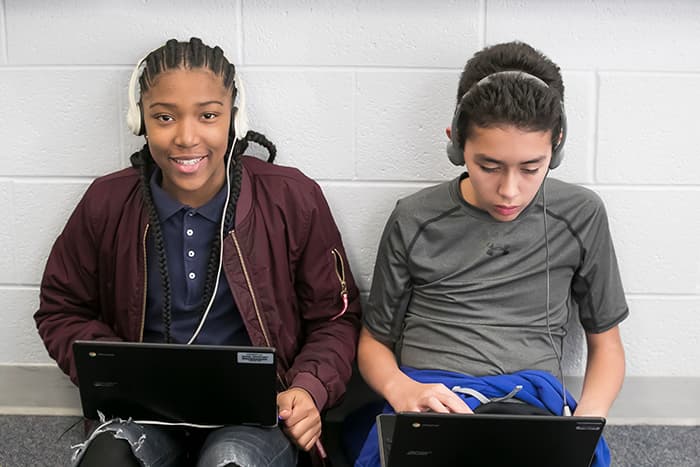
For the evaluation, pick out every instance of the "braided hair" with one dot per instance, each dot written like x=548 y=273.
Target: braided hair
x=190 y=55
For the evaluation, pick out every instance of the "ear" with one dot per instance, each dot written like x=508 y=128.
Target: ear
x=448 y=132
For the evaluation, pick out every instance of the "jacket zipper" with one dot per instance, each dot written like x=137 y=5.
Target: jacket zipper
x=319 y=445
x=340 y=273
x=255 y=301
x=145 y=283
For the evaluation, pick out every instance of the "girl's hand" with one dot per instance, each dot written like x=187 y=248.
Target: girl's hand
x=300 y=417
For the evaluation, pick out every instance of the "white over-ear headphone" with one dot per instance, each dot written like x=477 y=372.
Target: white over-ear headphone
x=134 y=118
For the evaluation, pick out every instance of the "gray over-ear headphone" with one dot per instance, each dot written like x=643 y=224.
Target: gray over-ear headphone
x=455 y=152
x=134 y=120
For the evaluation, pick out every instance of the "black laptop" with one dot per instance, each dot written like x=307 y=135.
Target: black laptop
x=435 y=440
x=177 y=383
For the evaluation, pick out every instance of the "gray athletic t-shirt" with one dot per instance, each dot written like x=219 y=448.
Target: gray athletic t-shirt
x=454 y=289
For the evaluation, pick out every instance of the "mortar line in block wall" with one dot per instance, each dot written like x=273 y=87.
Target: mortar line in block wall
x=239 y=14
x=6 y=49
x=48 y=178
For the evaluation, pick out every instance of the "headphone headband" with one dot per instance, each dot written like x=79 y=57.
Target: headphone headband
x=134 y=120
x=455 y=152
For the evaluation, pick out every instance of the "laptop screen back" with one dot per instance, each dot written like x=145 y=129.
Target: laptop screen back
x=196 y=384
x=429 y=439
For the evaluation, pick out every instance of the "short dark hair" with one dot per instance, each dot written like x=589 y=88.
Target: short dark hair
x=508 y=99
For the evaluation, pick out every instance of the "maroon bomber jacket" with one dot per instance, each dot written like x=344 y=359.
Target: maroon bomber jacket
x=284 y=261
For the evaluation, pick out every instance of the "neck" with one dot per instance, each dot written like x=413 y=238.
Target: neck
x=199 y=197
x=467 y=191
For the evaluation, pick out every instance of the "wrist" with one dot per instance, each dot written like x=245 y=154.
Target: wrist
x=590 y=409
x=394 y=388
x=312 y=386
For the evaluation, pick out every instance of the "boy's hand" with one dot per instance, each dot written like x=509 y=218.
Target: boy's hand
x=300 y=417
x=412 y=396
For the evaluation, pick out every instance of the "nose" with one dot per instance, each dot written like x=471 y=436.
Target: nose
x=508 y=188
x=186 y=135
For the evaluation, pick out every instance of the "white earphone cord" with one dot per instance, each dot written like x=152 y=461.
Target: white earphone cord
x=240 y=124
x=221 y=245
x=566 y=410
x=213 y=295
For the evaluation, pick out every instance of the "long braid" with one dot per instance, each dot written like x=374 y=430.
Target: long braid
x=262 y=140
x=229 y=211
x=144 y=158
x=189 y=55
x=236 y=176
x=217 y=63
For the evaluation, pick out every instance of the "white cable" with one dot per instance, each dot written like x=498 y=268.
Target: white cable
x=566 y=410
x=240 y=128
x=221 y=245
x=192 y=425
x=106 y=422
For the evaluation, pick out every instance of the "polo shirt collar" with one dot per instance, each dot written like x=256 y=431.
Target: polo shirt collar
x=167 y=206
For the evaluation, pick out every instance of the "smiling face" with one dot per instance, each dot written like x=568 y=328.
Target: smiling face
x=187 y=113
x=506 y=167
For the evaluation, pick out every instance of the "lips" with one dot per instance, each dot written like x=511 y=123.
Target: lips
x=188 y=161
x=188 y=164
x=506 y=211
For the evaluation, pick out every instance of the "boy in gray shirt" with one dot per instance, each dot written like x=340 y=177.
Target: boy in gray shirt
x=480 y=274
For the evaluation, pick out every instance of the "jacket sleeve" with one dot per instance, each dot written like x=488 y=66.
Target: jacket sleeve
x=69 y=305
x=324 y=363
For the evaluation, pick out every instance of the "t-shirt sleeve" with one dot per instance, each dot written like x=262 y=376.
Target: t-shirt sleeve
x=597 y=286
x=391 y=285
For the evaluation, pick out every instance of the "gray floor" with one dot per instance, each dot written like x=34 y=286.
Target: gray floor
x=654 y=445
x=654 y=421
x=40 y=441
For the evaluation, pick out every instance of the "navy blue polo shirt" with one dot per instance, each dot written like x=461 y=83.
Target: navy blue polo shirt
x=188 y=234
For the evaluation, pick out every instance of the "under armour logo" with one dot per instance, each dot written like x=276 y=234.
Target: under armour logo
x=497 y=250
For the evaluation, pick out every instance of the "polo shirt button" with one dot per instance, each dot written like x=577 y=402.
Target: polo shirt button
x=190 y=253
x=192 y=275
x=189 y=232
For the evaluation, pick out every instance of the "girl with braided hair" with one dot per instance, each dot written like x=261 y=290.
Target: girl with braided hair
x=197 y=243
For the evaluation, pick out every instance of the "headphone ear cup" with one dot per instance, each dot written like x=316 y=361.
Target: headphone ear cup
x=239 y=117
x=557 y=157
x=134 y=119
x=134 y=115
x=453 y=153
x=558 y=149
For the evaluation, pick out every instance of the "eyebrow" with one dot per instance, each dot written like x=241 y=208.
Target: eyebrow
x=174 y=106
x=490 y=160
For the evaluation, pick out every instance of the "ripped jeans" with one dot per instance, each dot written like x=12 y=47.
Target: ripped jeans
x=164 y=446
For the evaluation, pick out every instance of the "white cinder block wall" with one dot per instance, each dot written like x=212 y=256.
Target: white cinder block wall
x=357 y=94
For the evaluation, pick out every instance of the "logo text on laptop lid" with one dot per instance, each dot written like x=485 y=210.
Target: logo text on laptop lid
x=256 y=358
